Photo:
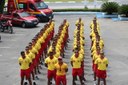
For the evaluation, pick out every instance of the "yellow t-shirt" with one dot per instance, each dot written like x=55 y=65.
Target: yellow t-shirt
x=24 y=63
x=50 y=49
x=61 y=70
x=76 y=61
x=78 y=22
x=92 y=34
x=102 y=63
x=32 y=54
x=57 y=55
x=34 y=50
x=38 y=46
x=42 y=39
x=51 y=63
x=101 y=44
x=95 y=57
x=93 y=48
x=29 y=56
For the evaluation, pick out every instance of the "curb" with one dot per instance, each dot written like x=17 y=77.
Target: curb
x=64 y=2
x=70 y=13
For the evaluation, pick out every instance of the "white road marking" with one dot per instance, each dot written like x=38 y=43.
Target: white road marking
x=18 y=34
x=47 y=2
x=71 y=2
x=10 y=40
x=58 y=2
x=4 y=47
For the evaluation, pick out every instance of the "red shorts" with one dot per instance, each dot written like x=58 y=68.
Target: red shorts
x=31 y=67
x=51 y=74
x=101 y=74
x=95 y=68
x=35 y=62
x=61 y=79
x=25 y=73
x=77 y=71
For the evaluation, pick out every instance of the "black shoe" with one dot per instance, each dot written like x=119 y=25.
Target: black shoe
x=37 y=77
x=25 y=83
x=34 y=83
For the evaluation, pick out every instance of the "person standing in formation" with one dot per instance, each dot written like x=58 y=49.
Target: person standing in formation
x=102 y=64
x=61 y=69
x=24 y=63
x=76 y=62
x=50 y=62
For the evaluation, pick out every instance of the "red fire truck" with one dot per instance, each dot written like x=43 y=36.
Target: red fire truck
x=36 y=7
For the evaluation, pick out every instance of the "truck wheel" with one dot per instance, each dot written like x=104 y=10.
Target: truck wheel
x=23 y=25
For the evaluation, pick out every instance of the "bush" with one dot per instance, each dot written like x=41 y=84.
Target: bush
x=123 y=10
x=110 y=7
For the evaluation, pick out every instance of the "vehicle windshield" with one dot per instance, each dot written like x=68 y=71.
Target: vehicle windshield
x=41 y=5
x=24 y=14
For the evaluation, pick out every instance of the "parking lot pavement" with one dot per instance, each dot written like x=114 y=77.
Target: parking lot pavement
x=113 y=33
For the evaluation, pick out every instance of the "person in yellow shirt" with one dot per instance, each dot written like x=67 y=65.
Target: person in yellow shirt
x=31 y=57
x=102 y=64
x=50 y=61
x=96 y=55
x=24 y=63
x=79 y=22
x=61 y=69
x=76 y=63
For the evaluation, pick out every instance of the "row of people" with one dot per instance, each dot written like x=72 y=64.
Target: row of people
x=77 y=59
x=99 y=61
x=54 y=63
x=34 y=53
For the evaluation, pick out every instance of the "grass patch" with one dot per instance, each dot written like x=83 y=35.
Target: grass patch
x=84 y=10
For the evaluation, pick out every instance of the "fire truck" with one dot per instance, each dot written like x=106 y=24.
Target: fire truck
x=36 y=7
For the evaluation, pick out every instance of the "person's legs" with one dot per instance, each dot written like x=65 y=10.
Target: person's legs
x=33 y=75
x=83 y=78
x=79 y=73
x=94 y=76
x=58 y=80
x=22 y=74
x=73 y=81
x=80 y=77
x=49 y=81
x=29 y=80
x=64 y=81
x=50 y=75
x=104 y=80
x=74 y=75
x=27 y=73
x=22 y=80
x=98 y=81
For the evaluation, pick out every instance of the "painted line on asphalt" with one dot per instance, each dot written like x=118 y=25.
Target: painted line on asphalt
x=18 y=34
x=4 y=47
x=71 y=2
x=62 y=2
x=58 y=2
x=86 y=13
x=47 y=2
x=10 y=40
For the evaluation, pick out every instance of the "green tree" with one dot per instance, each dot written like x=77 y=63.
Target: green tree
x=2 y=2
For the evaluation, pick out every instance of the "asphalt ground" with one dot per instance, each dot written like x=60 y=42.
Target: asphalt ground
x=113 y=33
